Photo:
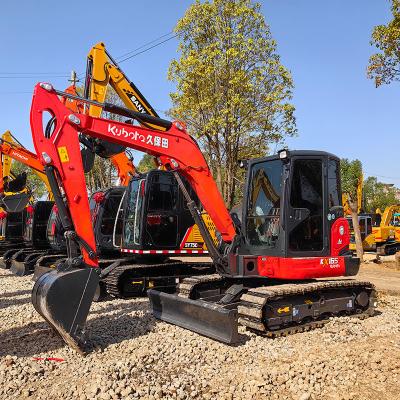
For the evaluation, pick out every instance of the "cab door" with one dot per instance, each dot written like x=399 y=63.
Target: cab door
x=306 y=219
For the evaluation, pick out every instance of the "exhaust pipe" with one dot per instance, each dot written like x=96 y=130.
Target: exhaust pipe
x=63 y=298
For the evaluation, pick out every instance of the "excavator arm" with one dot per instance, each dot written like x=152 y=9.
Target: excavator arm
x=103 y=70
x=174 y=148
x=6 y=165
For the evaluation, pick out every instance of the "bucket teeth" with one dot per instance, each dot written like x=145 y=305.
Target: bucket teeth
x=63 y=299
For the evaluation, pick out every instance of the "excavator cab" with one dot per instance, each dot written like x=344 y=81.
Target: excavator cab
x=157 y=218
x=36 y=224
x=104 y=205
x=292 y=202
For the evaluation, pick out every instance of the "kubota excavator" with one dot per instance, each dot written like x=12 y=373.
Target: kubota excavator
x=146 y=263
x=266 y=266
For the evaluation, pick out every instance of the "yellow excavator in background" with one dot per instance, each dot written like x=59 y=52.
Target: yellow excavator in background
x=380 y=232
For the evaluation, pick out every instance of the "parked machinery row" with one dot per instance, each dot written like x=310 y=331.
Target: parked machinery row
x=266 y=256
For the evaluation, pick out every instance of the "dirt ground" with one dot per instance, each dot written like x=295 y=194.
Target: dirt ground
x=137 y=356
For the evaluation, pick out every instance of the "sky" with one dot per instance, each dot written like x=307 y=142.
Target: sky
x=325 y=45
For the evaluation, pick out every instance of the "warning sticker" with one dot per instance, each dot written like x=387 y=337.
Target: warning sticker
x=63 y=153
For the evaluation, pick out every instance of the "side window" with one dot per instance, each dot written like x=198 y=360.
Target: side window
x=163 y=193
x=307 y=192
x=333 y=184
x=132 y=225
x=110 y=212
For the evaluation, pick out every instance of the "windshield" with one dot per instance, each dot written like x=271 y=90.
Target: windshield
x=263 y=216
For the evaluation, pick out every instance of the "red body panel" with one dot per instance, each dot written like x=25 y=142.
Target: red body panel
x=300 y=268
x=340 y=236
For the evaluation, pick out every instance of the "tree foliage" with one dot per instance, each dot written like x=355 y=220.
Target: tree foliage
x=146 y=163
x=232 y=90
x=103 y=173
x=377 y=195
x=351 y=171
x=34 y=183
x=384 y=66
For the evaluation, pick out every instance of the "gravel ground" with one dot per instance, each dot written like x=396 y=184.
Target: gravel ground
x=139 y=357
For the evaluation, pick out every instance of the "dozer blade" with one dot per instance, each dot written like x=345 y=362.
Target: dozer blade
x=16 y=202
x=63 y=299
x=205 y=318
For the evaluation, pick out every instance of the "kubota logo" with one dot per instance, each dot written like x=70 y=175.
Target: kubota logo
x=155 y=141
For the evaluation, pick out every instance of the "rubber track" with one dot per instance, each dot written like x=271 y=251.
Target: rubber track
x=188 y=285
x=113 y=279
x=250 y=311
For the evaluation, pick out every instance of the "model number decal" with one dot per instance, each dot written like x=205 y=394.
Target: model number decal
x=332 y=262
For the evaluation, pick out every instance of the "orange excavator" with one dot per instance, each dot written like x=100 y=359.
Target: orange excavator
x=267 y=265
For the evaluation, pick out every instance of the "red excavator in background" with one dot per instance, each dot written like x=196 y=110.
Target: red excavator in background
x=289 y=234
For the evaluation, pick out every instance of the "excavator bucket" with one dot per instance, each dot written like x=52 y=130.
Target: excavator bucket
x=15 y=202
x=206 y=318
x=63 y=299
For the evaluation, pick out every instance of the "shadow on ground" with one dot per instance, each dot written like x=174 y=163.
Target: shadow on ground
x=15 y=294
x=9 y=299
x=106 y=329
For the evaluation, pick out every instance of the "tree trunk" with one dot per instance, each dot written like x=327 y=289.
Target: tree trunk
x=397 y=258
x=357 y=233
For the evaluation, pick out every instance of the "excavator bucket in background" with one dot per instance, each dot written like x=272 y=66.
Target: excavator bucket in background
x=16 y=202
x=63 y=299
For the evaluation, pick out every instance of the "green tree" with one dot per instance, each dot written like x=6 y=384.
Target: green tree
x=351 y=172
x=103 y=174
x=34 y=183
x=384 y=66
x=146 y=163
x=377 y=195
x=232 y=90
